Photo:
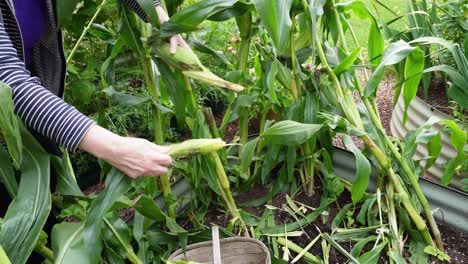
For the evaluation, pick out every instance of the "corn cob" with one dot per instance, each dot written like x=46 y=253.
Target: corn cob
x=196 y=146
x=186 y=61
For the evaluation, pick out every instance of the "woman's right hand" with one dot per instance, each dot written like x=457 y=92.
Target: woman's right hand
x=135 y=157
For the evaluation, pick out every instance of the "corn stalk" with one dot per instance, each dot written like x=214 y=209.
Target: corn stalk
x=85 y=31
x=349 y=108
x=371 y=108
x=151 y=84
x=245 y=28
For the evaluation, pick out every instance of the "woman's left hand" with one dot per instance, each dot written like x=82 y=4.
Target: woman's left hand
x=176 y=40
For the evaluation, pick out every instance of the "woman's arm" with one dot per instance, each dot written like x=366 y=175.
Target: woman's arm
x=49 y=115
x=38 y=108
x=134 y=156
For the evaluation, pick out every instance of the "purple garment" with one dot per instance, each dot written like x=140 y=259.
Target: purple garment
x=30 y=16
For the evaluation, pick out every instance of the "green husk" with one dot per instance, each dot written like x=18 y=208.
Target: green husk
x=196 y=146
x=186 y=61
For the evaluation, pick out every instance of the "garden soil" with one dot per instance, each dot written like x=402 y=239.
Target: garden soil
x=437 y=96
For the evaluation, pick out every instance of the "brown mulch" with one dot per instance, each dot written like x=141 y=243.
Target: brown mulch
x=95 y=188
x=437 y=96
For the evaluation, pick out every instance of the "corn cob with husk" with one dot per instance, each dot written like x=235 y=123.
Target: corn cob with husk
x=187 y=62
x=210 y=146
x=196 y=146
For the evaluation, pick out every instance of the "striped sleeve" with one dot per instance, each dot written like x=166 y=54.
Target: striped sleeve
x=38 y=108
x=133 y=4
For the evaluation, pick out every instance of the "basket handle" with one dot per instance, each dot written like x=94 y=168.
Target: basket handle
x=216 y=245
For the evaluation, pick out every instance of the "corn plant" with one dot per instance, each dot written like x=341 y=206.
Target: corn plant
x=22 y=225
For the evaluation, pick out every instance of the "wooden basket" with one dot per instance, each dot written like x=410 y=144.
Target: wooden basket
x=233 y=250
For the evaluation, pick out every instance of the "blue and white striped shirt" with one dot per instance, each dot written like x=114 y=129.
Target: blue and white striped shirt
x=39 y=108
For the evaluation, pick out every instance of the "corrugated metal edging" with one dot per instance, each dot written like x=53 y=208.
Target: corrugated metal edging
x=450 y=204
x=182 y=192
x=418 y=113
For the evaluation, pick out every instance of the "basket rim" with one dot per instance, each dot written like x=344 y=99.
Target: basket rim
x=223 y=241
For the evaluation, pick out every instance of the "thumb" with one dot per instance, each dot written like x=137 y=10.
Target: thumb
x=173 y=48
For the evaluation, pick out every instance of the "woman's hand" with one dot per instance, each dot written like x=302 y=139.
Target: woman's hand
x=175 y=41
x=133 y=156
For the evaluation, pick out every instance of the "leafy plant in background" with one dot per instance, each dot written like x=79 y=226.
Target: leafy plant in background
x=453 y=25
x=457 y=75
x=422 y=19
x=90 y=48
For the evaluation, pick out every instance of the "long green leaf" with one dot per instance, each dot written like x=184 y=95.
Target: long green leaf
x=340 y=216
x=124 y=99
x=434 y=148
x=82 y=242
x=454 y=75
x=201 y=47
x=290 y=133
x=9 y=127
x=458 y=139
x=357 y=249
x=189 y=18
x=392 y=55
x=66 y=180
x=174 y=84
x=7 y=174
x=27 y=214
x=363 y=170
x=117 y=236
x=336 y=245
x=128 y=31
x=348 y=62
x=248 y=152
x=375 y=45
x=277 y=21
x=372 y=257
x=413 y=72
x=150 y=10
